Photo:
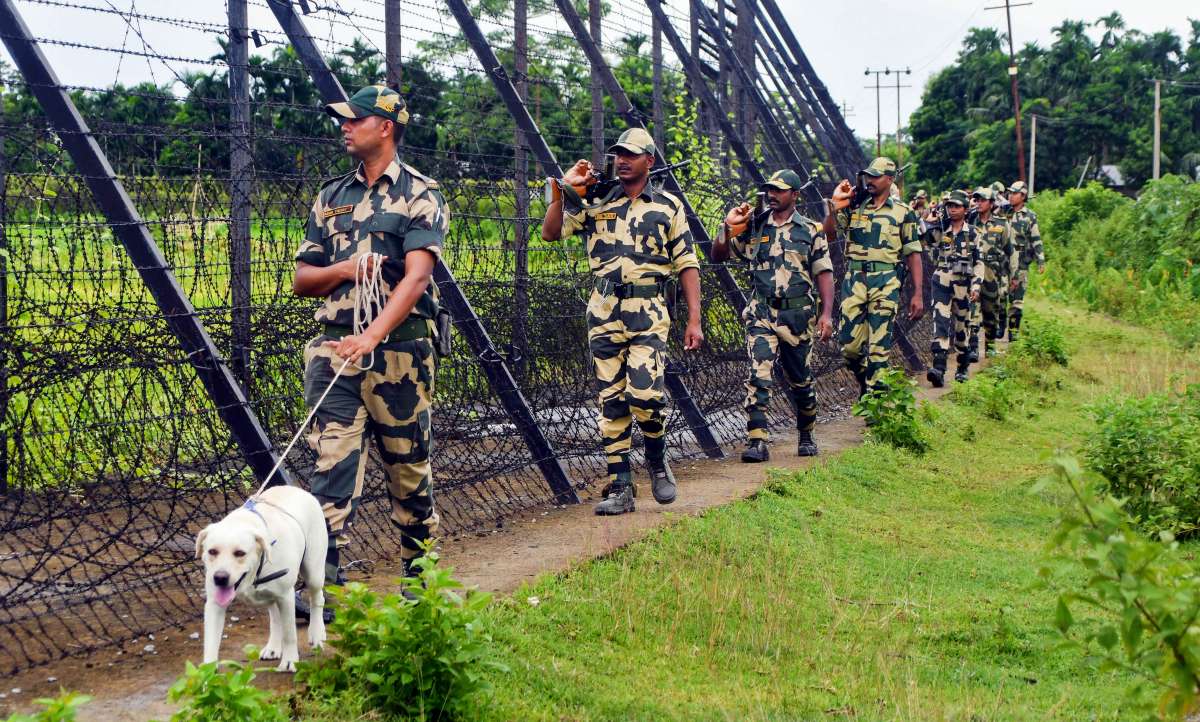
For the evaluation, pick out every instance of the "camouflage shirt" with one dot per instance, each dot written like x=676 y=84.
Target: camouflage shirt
x=404 y=211
x=784 y=258
x=1027 y=237
x=884 y=234
x=996 y=244
x=631 y=239
x=957 y=253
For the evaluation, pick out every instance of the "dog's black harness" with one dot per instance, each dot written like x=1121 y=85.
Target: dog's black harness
x=251 y=506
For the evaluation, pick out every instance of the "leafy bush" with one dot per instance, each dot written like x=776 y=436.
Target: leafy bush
x=422 y=658
x=1136 y=261
x=1041 y=342
x=890 y=412
x=55 y=709
x=1142 y=597
x=1148 y=450
x=223 y=692
x=993 y=392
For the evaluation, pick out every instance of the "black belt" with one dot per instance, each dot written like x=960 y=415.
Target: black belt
x=605 y=287
x=410 y=330
x=870 y=266
x=786 y=303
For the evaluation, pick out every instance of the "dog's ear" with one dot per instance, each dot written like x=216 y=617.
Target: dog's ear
x=200 y=541
x=264 y=546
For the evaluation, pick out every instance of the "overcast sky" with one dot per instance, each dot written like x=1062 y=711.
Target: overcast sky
x=841 y=39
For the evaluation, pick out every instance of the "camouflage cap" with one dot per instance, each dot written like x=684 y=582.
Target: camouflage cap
x=984 y=193
x=998 y=187
x=920 y=194
x=784 y=180
x=372 y=100
x=956 y=198
x=881 y=166
x=1018 y=187
x=634 y=140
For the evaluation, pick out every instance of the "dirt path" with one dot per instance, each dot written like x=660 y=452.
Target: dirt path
x=130 y=685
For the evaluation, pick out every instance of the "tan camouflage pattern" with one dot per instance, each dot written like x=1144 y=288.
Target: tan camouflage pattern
x=870 y=300
x=642 y=241
x=958 y=272
x=404 y=212
x=886 y=234
x=1028 y=240
x=390 y=402
x=631 y=240
x=783 y=260
x=1001 y=263
x=628 y=342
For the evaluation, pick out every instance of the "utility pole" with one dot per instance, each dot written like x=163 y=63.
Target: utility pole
x=1012 y=76
x=878 y=111
x=1157 y=126
x=1032 y=156
x=899 y=135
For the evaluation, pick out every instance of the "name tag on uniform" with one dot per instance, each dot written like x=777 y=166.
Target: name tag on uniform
x=765 y=239
x=331 y=212
x=610 y=216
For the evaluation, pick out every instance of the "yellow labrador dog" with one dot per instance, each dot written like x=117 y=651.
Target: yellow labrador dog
x=256 y=554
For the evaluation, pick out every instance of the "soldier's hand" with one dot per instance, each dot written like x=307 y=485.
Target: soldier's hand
x=692 y=336
x=1012 y=285
x=1041 y=268
x=350 y=269
x=824 y=327
x=973 y=297
x=580 y=174
x=738 y=216
x=916 y=307
x=843 y=192
x=353 y=347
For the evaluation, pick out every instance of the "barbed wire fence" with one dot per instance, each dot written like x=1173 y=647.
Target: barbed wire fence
x=114 y=453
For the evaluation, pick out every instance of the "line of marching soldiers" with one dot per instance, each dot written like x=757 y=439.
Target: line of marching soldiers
x=385 y=213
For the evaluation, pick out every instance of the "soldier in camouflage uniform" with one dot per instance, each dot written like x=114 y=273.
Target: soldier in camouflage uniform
x=1000 y=264
x=920 y=201
x=882 y=234
x=788 y=259
x=636 y=237
x=957 y=281
x=383 y=206
x=1028 y=240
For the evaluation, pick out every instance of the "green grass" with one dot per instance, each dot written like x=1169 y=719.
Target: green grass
x=877 y=585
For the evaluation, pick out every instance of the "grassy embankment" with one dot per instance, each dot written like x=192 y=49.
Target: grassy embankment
x=877 y=585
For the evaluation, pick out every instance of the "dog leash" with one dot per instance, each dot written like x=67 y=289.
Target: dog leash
x=368 y=301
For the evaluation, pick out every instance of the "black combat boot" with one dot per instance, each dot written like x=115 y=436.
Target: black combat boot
x=805 y=444
x=860 y=375
x=756 y=452
x=960 y=375
x=973 y=349
x=1014 y=325
x=662 y=481
x=618 y=496
x=937 y=372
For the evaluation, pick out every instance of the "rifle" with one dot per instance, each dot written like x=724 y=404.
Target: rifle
x=607 y=179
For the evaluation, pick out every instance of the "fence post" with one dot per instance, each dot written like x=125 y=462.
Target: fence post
x=241 y=166
x=519 y=357
x=696 y=420
x=493 y=365
x=5 y=344
x=128 y=227
x=595 y=22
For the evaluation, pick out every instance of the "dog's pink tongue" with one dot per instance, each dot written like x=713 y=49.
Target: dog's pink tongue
x=223 y=596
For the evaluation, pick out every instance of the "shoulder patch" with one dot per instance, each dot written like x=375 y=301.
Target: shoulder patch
x=429 y=182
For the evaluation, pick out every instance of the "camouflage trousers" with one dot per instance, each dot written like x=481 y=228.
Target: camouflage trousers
x=786 y=336
x=869 y=304
x=628 y=342
x=391 y=403
x=1016 y=298
x=993 y=298
x=951 y=313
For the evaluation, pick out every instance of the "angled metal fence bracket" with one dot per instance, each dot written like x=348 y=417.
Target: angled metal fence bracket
x=495 y=368
x=131 y=230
